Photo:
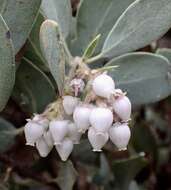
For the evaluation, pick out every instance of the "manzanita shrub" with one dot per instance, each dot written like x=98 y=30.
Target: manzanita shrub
x=79 y=76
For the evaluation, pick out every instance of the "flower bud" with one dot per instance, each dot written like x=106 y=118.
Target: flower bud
x=122 y=107
x=97 y=140
x=65 y=149
x=103 y=85
x=69 y=104
x=59 y=130
x=101 y=119
x=120 y=135
x=33 y=131
x=73 y=133
x=81 y=118
x=48 y=138
x=42 y=147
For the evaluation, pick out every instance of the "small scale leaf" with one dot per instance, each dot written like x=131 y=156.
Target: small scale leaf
x=144 y=76
x=132 y=30
x=7 y=64
x=53 y=50
x=33 y=90
x=66 y=176
x=19 y=16
x=126 y=170
x=91 y=47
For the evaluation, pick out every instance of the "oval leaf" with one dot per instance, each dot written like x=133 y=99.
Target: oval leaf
x=144 y=76
x=141 y=23
x=53 y=50
x=7 y=64
x=33 y=50
x=59 y=11
x=19 y=16
x=96 y=17
x=33 y=89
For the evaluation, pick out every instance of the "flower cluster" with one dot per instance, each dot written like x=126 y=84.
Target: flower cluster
x=104 y=112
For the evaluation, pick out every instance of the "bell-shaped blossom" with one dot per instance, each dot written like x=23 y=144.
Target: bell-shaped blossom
x=48 y=138
x=120 y=135
x=58 y=129
x=41 y=120
x=101 y=119
x=73 y=133
x=33 y=131
x=69 y=104
x=122 y=107
x=81 y=118
x=43 y=147
x=97 y=140
x=103 y=86
x=65 y=148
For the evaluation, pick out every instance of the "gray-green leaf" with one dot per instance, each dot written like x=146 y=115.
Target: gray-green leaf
x=33 y=50
x=141 y=23
x=53 y=50
x=144 y=76
x=19 y=16
x=96 y=17
x=33 y=89
x=7 y=64
x=59 y=11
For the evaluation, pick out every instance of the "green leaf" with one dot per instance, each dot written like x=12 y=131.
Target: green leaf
x=96 y=17
x=7 y=135
x=33 y=50
x=33 y=90
x=7 y=64
x=140 y=24
x=59 y=11
x=53 y=49
x=91 y=47
x=19 y=16
x=144 y=76
x=126 y=170
x=66 y=176
x=166 y=52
